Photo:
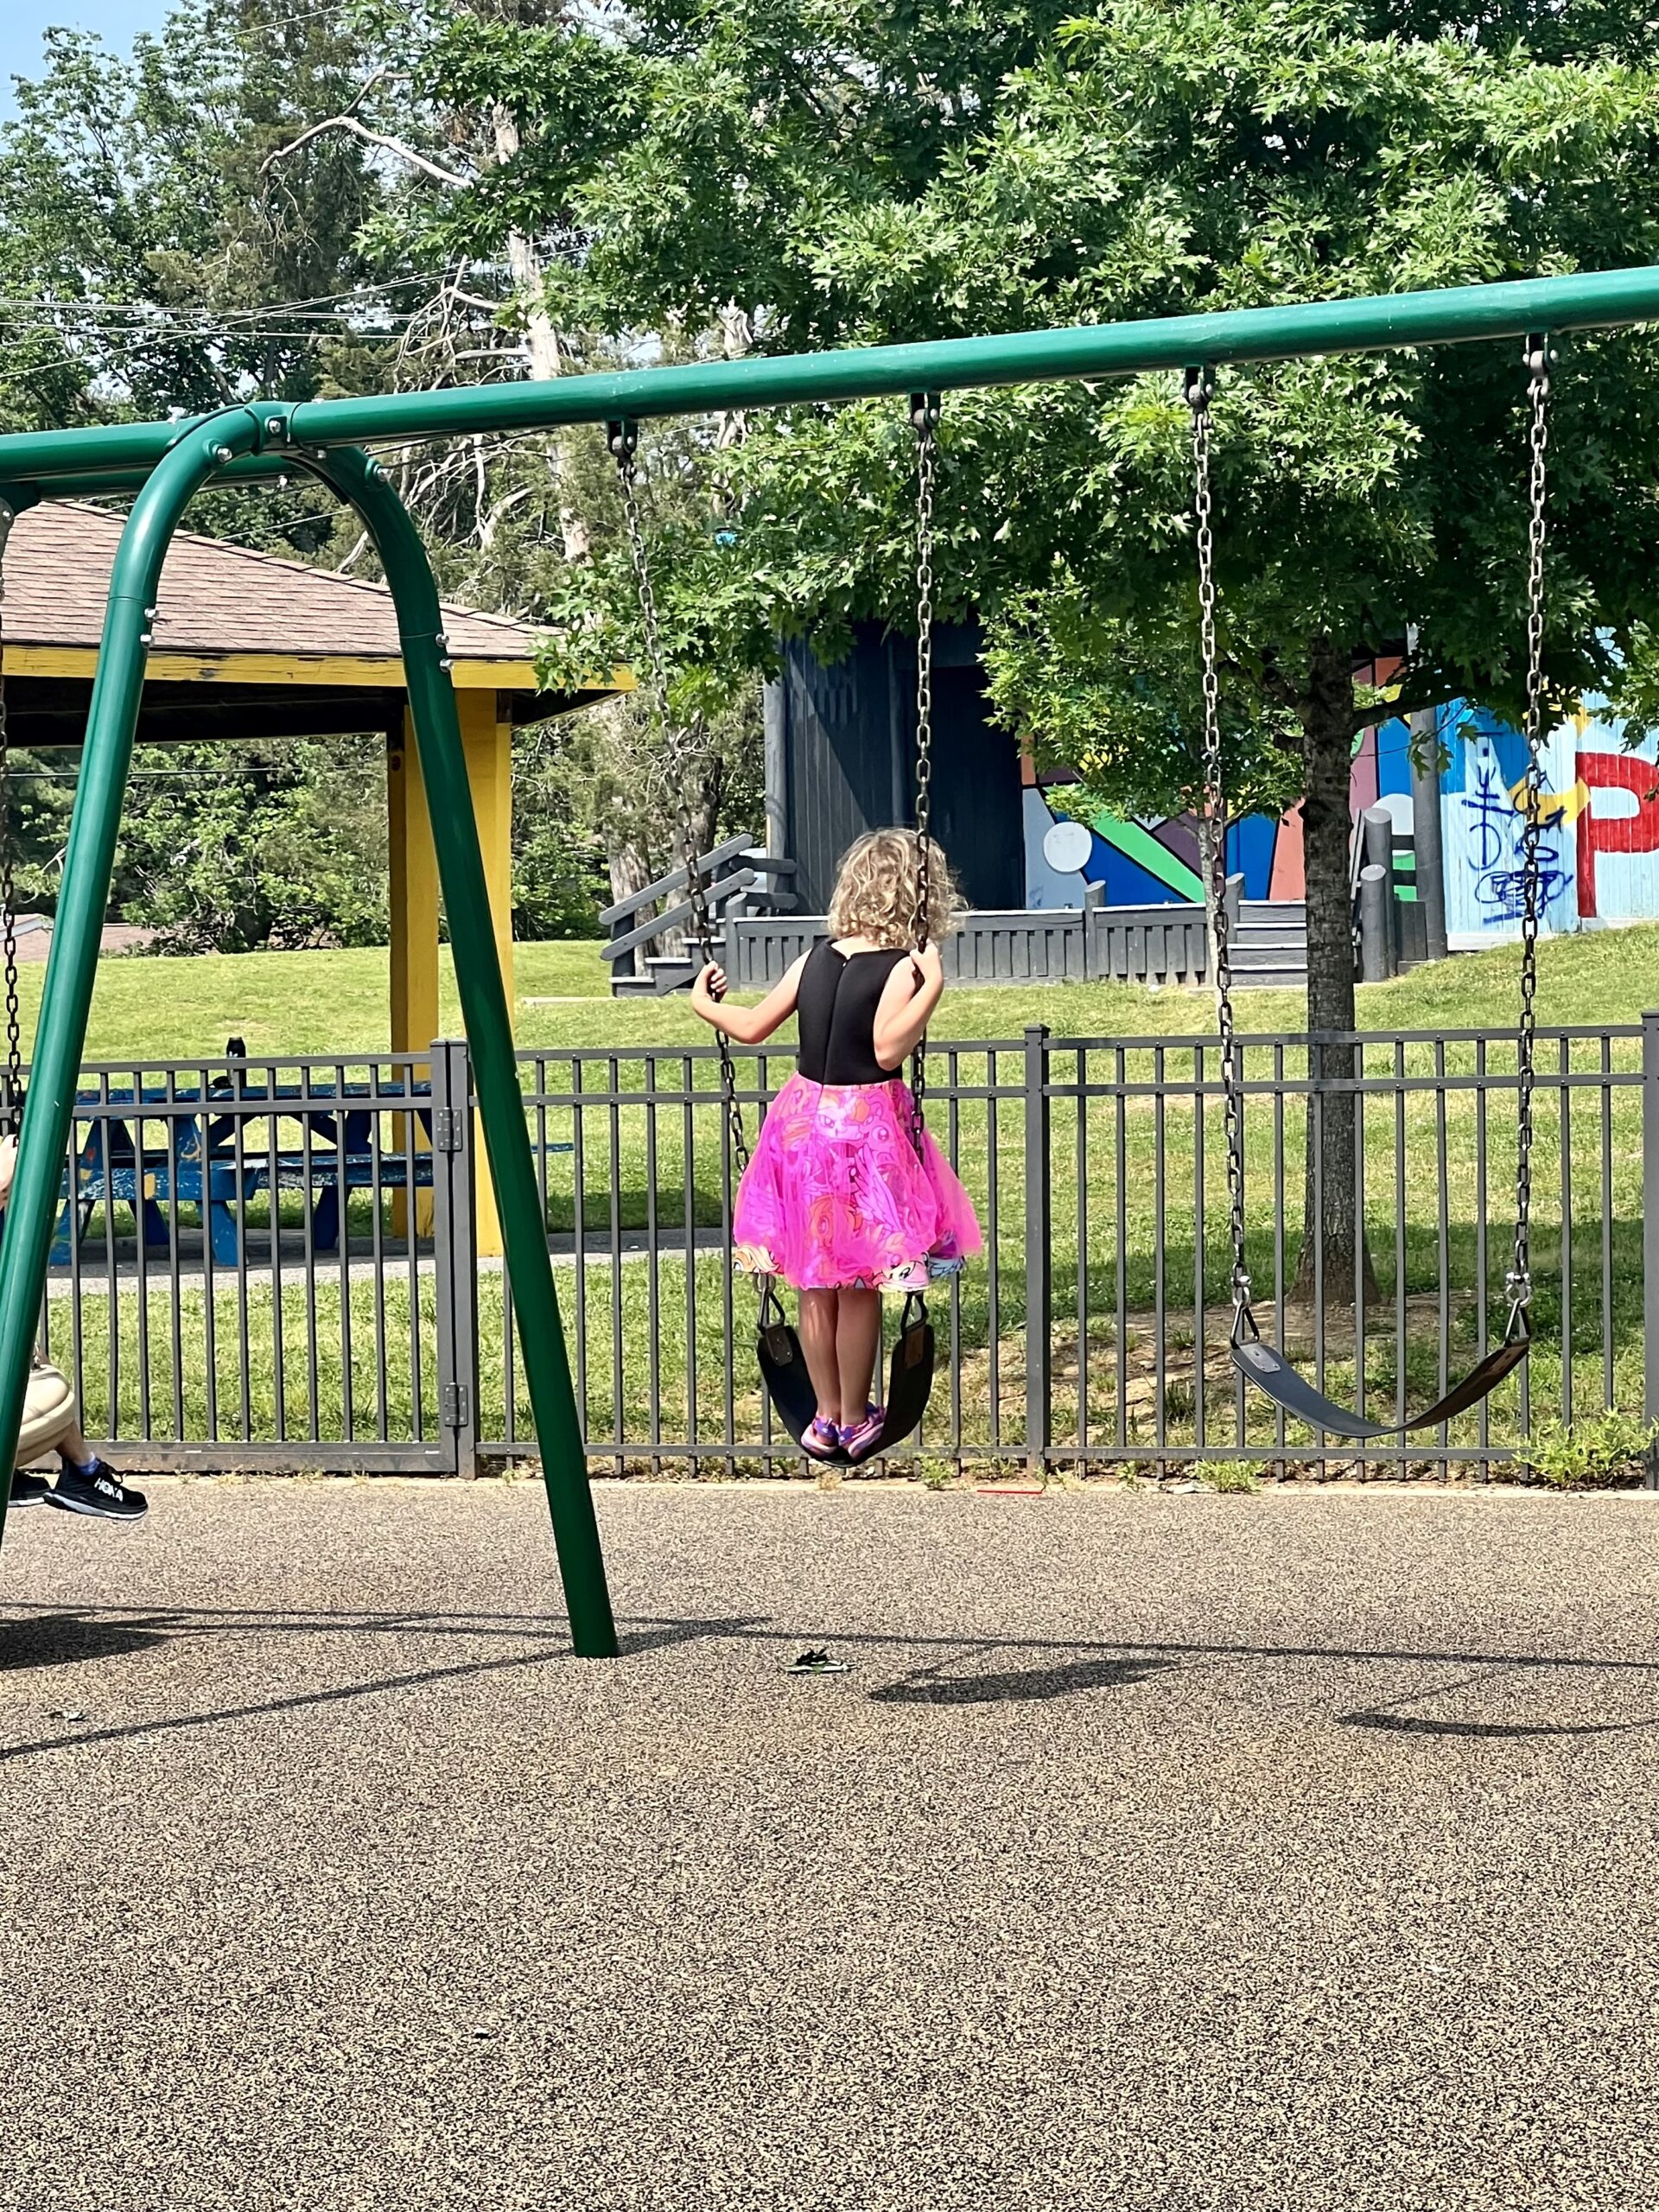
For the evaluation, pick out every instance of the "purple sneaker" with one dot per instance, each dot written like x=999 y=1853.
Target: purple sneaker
x=821 y=1438
x=861 y=1439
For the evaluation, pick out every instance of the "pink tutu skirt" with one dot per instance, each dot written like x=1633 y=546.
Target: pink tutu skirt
x=836 y=1198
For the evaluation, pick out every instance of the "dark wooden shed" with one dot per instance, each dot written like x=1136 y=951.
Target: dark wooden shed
x=840 y=752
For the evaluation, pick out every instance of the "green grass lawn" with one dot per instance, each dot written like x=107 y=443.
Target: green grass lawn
x=326 y=1002
x=298 y=1002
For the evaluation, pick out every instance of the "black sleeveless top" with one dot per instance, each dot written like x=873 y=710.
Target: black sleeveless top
x=835 y=1007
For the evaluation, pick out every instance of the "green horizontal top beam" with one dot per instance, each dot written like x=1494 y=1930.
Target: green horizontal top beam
x=1603 y=298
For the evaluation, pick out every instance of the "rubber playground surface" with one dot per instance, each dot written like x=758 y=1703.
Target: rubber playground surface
x=1277 y=1852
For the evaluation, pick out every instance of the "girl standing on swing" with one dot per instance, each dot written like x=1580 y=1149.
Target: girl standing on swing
x=847 y=1195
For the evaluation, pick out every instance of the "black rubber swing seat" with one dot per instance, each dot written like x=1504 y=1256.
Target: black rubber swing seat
x=910 y=1378
x=1271 y=1373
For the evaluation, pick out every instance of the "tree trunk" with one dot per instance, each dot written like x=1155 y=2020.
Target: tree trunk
x=704 y=794
x=1332 y=1229
x=630 y=871
x=706 y=797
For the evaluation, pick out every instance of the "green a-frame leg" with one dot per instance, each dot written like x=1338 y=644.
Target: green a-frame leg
x=203 y=449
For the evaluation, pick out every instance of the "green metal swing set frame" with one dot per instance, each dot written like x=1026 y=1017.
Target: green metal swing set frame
x=165 y=464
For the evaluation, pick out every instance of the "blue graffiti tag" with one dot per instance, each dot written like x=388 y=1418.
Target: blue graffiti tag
x=1496 y=855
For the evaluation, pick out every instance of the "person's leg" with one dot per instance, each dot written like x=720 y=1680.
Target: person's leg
x=73 y=1448
x=818 y=1316
x=90 y=1485
x=48 y=1416
x=858 y=1339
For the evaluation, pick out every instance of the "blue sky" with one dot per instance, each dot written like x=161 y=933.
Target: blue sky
x=23 y=22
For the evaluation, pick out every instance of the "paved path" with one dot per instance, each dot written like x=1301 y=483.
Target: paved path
x=1268 y=1853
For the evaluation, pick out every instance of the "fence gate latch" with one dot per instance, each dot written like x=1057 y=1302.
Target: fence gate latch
x=453 y=1405
x=446 y=1129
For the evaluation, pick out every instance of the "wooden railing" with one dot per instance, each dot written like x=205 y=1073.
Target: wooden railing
x=729 y=872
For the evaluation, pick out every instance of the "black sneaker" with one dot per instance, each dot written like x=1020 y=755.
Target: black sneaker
x=28 y=1489
x=98 y=1489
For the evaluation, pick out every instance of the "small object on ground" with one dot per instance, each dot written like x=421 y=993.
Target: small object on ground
x=30 y=1490
x=817 y=1662
x=99 y=1491
x=65 y=1713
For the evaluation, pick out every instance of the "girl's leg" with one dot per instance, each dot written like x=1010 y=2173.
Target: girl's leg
x=818 y=1317
x=858 y=1339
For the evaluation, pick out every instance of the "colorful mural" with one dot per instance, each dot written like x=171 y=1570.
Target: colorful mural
x=1154 y=862
x=1483 y=827
x=1600 y=846
x=1598 y=851
x=1615 y=815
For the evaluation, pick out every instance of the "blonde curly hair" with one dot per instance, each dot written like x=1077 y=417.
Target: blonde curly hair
x=875 y=890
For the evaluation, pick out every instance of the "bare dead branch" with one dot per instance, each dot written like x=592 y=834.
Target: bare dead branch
x=349 y=122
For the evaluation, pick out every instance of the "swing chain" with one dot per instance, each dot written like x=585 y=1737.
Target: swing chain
x=624 y=440
x=924 y=421
x=12 y=1111
x=1199 y=388
x=1519 y=1282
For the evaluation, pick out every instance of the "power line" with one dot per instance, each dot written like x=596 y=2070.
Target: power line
x=436 y=280
x=317 y=299
x=292 y=322
x=209 y=321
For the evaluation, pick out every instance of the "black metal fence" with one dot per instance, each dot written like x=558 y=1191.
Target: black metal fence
x=254 y=1262
x=312 y=1290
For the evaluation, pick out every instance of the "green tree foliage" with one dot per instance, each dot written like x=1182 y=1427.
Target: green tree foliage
x=228 y=848
x=151 y=258
x=692 y=177
x=176 y=233
x=559 y=858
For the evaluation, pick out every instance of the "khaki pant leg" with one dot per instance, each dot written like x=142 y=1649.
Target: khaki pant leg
x=49 y=1412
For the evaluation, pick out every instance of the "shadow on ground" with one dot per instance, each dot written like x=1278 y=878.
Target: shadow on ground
x=54 y=1637
x=1019 y=1685
x=63 y=1639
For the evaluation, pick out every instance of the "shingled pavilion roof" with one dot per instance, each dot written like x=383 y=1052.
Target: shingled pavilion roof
x=247 y=643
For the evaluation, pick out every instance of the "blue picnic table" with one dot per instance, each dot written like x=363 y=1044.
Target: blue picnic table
x=201 y=1164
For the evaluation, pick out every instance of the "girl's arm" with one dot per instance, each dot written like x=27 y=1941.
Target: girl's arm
x=746 y=1024
x=914 y=990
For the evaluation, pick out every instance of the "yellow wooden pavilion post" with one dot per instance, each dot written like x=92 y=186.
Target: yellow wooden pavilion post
x=414 y=889
x=487 y=739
